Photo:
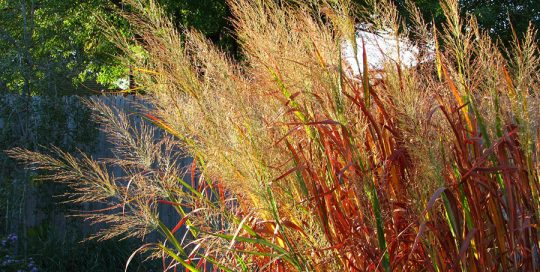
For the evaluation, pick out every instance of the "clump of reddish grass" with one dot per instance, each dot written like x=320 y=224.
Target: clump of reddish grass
x=302 y=165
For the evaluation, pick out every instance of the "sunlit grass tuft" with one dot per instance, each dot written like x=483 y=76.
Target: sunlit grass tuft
x=301 y=164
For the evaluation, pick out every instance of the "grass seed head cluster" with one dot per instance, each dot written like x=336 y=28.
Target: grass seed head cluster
x=299 y=163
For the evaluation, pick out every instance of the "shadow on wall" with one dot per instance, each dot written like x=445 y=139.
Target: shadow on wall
x=36 y=230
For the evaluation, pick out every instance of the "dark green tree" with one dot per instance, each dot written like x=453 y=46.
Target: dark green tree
x=51 y=46
x=497 y=17
x=54 y=46
x=211 y=17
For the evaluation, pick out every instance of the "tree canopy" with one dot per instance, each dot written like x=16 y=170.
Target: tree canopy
x=497 y=17
x=53 y=47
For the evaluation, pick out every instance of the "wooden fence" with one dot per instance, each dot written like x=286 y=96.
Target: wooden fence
x=27 y=204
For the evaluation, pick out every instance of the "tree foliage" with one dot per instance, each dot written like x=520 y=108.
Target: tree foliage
x=497 y=17
x=51 y=46
x=54 y=46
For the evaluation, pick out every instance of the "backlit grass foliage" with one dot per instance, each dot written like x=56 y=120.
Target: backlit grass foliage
x=299 y=164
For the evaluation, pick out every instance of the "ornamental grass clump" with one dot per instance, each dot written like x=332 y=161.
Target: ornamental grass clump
x=302 y=162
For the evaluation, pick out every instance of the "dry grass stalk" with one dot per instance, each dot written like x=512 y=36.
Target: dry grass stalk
x=301 y=166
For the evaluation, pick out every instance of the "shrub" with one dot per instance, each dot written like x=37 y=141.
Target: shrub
x=299 y=164
x=9 y=260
